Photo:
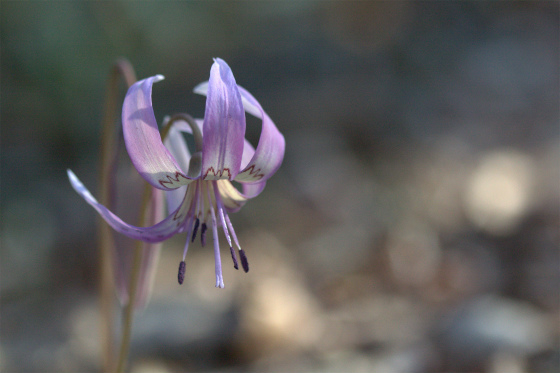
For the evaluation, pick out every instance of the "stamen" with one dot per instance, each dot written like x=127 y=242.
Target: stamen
x=234 y=257
x=224 y=225
x=242 y=255
x=182 y=269
x=223 y=221
x=244 y=261
x=195 y=229
x=203 y=234
x=232 y=231
x=202 y=201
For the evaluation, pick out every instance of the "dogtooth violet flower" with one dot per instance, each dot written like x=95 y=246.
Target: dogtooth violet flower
x=198 y=186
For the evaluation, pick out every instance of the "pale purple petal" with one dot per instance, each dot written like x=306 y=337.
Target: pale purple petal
x=224 y=125
x=143 y=141
x=251 y=190
x=156 y=233
x=266 y=160
x=270 y=150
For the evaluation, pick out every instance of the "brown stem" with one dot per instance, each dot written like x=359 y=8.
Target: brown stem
x=124 y=69
x=191 y=122
x=128 y=312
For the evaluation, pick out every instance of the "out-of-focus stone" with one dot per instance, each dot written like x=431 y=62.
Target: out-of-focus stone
x=278 y=311
x=337 y=251
x=500 y=191
x=414 y=254
x=380 y=319
x=150 y=366
x=489 y=324
x=507 y=362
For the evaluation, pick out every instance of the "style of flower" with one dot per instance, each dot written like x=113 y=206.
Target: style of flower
x=198 y=186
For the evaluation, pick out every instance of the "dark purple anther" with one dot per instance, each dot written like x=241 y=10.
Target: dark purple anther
x=234 y=257
x=181 y=275
x=195 y=229
x=203 y=234
x=244 y=261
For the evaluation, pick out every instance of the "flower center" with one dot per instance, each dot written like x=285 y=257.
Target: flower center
x=205 y=208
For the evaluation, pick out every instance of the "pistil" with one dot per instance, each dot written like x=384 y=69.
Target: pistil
x=217 y=258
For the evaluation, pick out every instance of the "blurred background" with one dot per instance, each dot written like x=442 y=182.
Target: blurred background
x=414 y=223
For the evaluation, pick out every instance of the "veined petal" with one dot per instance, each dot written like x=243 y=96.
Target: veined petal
x=269 y=154
x=143 y=140
x=224 y=125
x=156 y=233
x=270 y=150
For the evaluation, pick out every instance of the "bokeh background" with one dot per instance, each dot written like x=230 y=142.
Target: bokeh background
x=413 y=226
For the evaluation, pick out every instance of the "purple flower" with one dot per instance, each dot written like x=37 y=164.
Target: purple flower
x=198 y=186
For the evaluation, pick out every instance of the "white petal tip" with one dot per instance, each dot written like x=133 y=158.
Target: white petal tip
x=73 y=178
x=158 y=78
x=79 y=187
x=201 y=89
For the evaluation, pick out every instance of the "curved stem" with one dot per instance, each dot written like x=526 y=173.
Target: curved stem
x=191 y=122
x=128 y=313
x=124 y=69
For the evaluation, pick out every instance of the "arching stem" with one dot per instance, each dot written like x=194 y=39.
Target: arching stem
x=191 y=122
x=121 y=69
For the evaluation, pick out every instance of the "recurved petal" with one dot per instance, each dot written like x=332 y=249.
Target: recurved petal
x=270 y=149
x=267 y=158
x=156 y=233
x=224 y=125
x=233 y=199
x=143 y=141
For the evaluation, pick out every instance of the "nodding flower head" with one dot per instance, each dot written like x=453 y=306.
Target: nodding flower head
x=198 y=184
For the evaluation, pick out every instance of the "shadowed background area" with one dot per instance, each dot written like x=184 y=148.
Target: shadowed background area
x=414 y=223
